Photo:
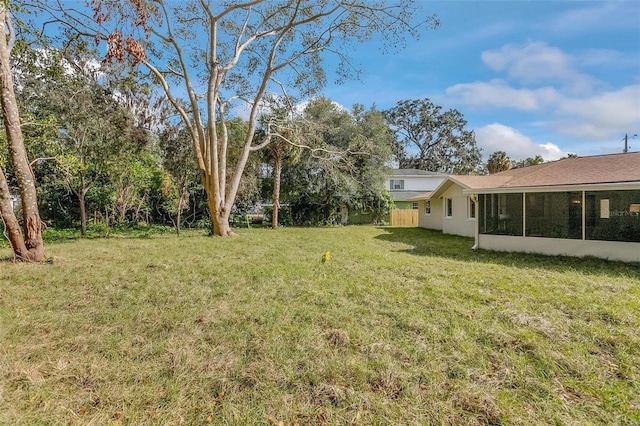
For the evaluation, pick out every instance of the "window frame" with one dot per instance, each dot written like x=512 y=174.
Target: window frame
x=472 y=209
x=393 y=182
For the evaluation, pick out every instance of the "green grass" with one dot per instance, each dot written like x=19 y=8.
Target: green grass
x=398 y=327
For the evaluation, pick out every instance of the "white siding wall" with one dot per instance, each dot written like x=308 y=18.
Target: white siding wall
x=417 y=183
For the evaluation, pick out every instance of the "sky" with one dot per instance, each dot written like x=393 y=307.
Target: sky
x=539 y=77
x=530 y=77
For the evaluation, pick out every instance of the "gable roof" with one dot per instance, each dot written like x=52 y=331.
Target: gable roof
x=594 y=170
x=405 y=195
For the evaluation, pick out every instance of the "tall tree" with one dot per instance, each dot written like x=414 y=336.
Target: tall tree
x=238 y=51
x=498 y=162
x=29 y=247
x=177 y=159
x=346 y=168
x=284 y=148
x=429 y=138
x=95 y=128
x=529 y=161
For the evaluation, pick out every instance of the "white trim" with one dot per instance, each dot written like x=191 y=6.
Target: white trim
x=470 y=201
x=584 y=216
x=448 y=201
x=618 y=186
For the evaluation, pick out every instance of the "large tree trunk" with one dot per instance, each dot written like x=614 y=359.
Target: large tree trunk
x=24 y=174
x=219 y=219
x=344 y=214
x=83 y=212
x=178 y=217
x=277 y=172
x=182 y=202
x=11 y=224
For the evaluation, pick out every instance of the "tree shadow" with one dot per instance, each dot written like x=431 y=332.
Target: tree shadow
x=431 y=243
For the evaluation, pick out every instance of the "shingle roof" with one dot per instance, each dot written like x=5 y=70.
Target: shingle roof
x=421 y=196
x=612 y=168
x=599 y=169
x=415 y=172
x=404 y=195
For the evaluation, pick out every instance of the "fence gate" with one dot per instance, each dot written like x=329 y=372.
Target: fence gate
x=403 y=217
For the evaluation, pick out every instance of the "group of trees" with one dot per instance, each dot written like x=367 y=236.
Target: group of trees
x=114 y=136
x=499 y=161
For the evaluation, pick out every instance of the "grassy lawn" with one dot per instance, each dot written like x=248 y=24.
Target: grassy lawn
x=398 y=327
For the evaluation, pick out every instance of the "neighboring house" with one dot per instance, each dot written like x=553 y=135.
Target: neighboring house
x=405 y=184
x=586 y=206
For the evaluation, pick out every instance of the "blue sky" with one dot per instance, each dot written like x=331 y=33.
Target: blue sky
x=541 y=77
x=530 y=77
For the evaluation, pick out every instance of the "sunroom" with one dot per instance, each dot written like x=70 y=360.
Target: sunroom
x=598 y=220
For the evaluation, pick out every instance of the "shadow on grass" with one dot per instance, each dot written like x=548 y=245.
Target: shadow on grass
x=426 y=242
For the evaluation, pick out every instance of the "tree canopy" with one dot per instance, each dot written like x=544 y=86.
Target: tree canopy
x=428 y=138
x=499 y=161
x=347 y=169
x=211 y=57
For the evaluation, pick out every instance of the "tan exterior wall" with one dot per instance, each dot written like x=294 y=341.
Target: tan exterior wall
x=433 y=220
x=459 y=222
x=627 y=252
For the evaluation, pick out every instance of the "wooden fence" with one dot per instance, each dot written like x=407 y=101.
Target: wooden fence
x=403 y=217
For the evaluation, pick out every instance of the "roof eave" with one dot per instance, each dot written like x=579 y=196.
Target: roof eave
x=557 y=188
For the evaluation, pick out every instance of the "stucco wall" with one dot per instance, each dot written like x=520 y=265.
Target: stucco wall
x=458 y=223
x=433 y=220
x=627 y=252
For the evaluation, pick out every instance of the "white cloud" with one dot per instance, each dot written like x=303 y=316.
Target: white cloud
x=242 y=109
x=499 y=94
x=531 y=62
x=604 y=117
x=537 y=62
x=618 y=109
x=498 y=137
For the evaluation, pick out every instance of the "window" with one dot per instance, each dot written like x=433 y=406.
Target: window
x=414 y=206
x=471 y=208
x=396 y=184
x=449 y=207
x=427 y=209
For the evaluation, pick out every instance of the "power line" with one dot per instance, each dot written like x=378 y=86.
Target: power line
x=626 y=142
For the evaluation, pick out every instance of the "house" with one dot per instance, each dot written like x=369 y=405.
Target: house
x=585 y=206
x=405 y=184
